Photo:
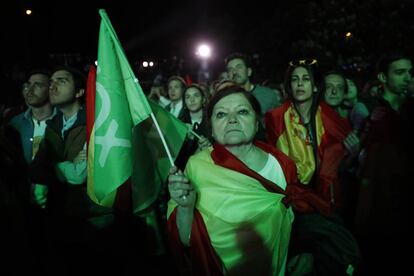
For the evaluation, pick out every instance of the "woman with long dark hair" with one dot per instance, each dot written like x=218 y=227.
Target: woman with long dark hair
x=194 y=114
x=312 y=134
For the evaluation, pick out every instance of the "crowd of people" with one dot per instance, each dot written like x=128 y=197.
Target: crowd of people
x=310 y=177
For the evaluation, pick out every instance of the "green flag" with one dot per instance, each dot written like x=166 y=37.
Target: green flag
x=120 y=104
x=130 y=136
x=151 y=168
x=151 y=160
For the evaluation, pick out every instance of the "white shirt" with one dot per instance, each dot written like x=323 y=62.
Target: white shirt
x=39 y=128
x=273 y=171
x=175 y=109
x=68 y=123
x=198 y=121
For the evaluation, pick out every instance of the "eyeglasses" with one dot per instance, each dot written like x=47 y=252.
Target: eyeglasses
x=303 y=62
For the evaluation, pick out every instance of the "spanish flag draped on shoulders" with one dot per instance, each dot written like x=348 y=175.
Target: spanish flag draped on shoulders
x=287 y=132
x=234 y=205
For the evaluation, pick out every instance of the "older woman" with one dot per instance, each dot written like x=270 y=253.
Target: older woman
x=228 y=213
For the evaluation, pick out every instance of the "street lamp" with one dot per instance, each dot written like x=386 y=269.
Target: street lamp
x=204 y=53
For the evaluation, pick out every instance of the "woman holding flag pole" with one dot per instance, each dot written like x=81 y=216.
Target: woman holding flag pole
x=229 y=211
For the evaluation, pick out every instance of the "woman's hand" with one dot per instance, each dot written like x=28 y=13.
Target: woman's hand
x=180 y=188
x=203 y=143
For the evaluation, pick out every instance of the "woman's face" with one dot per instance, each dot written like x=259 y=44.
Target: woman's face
x=193 y=99
x=234 y=121
x=302 y=85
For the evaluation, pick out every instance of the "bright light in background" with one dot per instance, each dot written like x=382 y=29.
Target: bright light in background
x=204 y=72
x=348 y=35
x=204 y=51
x=147 y=64
x=28 y=12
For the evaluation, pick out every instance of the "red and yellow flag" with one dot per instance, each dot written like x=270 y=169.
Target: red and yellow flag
x=286 y=131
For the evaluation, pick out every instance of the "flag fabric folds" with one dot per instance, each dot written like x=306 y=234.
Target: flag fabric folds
x=122 y=138
x=150 y=171
x=151 y=164
x=286 y=131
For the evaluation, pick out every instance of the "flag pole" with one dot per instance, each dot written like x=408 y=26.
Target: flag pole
x=165 y=144
x=162 y=139
x=194 y=133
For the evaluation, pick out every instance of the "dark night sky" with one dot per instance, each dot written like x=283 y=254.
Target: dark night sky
x=161 y=29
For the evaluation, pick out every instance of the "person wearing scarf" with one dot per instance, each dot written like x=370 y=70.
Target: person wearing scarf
x=229 y=211
x=313 y=135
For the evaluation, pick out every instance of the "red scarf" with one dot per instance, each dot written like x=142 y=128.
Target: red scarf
x=200 y=258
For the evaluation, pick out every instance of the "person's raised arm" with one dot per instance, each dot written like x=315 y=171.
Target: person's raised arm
x=182 y=192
